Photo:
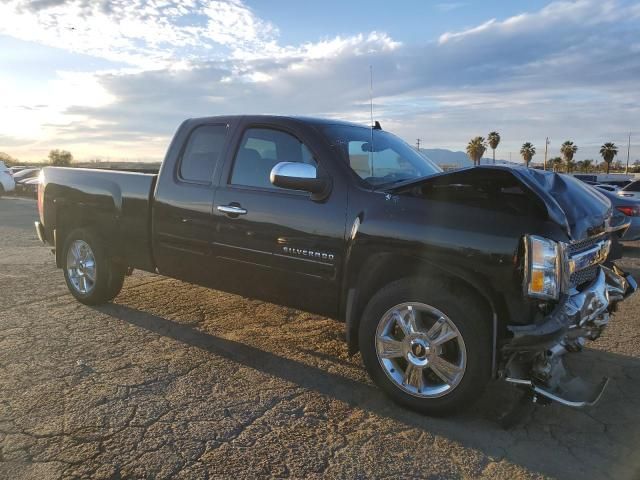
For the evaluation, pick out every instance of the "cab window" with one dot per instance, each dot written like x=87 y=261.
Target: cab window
x=202 y=153
x=260 y=150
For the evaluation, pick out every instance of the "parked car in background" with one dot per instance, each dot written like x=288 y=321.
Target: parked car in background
x=17 y=168
x=631 y=191
x=618 y=179
x=607 y=187
x=30 y=186
x=23 y=176
x=7 y=183
x=619 y=183
x=630 y=207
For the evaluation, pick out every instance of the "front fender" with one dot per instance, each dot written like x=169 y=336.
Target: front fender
x=383 y=268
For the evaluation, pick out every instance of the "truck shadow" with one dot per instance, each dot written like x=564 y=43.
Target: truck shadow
x=554 y=441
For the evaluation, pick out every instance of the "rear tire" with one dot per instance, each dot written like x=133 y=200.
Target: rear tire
x=91 y=274
x=426 y=347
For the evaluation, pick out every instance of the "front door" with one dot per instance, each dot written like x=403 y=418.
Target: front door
x=276 y=244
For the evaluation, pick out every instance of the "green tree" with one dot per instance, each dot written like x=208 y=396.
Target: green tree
x=494 y=141
x=556 y=164
x=568 y=150
x=527 y=151
x=608 y=152
x=8 y=159
x=60 y=158
x=476 y=148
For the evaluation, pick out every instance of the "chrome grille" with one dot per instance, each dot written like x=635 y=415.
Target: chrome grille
x=584 y=276
x=577 y=251
x=581 y=245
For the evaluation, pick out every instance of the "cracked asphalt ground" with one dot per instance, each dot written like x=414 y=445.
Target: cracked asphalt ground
x=177 y=381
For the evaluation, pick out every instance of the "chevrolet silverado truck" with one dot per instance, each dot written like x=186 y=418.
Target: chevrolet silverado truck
x=444 y=280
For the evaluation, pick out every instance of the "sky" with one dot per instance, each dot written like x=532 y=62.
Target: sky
x=113 y=79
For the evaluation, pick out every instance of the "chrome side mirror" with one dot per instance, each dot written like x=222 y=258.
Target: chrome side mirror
x=298 y=176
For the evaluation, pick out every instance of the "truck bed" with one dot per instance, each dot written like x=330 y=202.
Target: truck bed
x=117 y=203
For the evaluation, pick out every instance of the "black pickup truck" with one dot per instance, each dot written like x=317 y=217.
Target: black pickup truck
x=444 y=280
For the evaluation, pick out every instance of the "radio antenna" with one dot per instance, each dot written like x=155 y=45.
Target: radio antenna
x=371 y=105
x=371 y=92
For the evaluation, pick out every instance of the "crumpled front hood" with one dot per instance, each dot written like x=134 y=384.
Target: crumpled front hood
x=582 y=209
x=578 y=208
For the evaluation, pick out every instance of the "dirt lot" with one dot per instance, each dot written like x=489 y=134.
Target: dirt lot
x=173 y=380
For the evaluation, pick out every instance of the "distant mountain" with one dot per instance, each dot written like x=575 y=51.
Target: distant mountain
x=444 y=157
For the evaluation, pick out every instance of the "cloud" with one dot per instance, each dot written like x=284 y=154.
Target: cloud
x=9 y=141
x=564 y=16
x=37 y=5
x=450 y=6
x=141 y=33
x=568 y=70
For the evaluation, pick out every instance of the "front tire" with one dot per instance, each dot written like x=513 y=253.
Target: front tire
x=426 y=347
x=89 y=271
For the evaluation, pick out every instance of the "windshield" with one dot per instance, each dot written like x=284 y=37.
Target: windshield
x=378 y=157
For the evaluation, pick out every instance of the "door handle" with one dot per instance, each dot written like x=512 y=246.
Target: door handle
x=232 y=209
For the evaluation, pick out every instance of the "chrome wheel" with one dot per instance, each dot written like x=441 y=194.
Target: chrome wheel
x=81 y=267
x=421 y=350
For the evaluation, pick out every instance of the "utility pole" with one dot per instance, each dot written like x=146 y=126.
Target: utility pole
x=626 y=170
x=546 y=146
x=418 y=144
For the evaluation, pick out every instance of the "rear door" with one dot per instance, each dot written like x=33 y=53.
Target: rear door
x=276 y=244
x=183 y=224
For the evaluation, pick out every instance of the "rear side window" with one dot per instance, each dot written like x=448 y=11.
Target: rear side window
x=202 y=153
x=633 y=186
x=260 y=150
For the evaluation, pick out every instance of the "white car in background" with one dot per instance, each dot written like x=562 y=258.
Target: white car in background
x=631 y=191
x=6 y=180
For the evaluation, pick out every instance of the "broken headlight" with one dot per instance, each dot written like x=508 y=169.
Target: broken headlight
x=542 y=268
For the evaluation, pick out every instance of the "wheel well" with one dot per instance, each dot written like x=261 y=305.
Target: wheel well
x=386 y=269
x=69 y=219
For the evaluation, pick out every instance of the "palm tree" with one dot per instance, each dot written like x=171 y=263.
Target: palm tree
x=494 y=141
x=476 y=148
x=608 y=151
x=556 y=164
x=568 y=150
x=587 y=165
x=527 y=151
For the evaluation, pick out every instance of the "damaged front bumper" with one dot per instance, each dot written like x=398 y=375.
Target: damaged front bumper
x=534 y=357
